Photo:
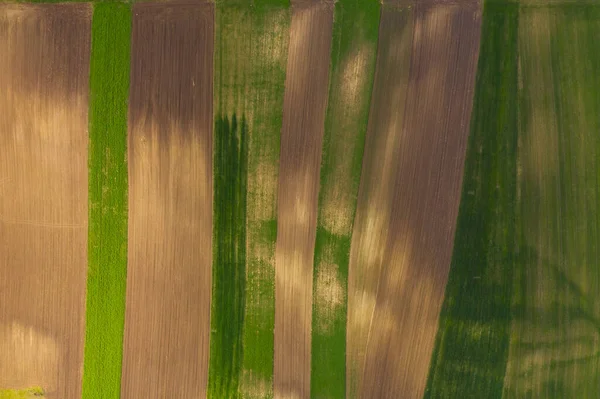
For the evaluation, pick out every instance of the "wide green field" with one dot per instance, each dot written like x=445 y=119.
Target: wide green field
x=520 y=318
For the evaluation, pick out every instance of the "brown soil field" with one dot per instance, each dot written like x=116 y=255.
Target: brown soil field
x=43 y=195
x=381 y=155
x=167 y=325
x=304 y=106
x=406 y=216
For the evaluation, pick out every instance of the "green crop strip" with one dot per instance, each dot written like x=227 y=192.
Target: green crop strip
x=353 y=55
x=470 y=357
x=251 y=44
x=107 y=240
x=229 y=264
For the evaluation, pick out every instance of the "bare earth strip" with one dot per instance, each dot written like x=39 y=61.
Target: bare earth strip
x=170 y=202
x=374 y=202
x=414 y=250
x=301 y=140
x=43 y=195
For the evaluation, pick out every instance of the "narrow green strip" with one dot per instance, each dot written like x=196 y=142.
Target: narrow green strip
x=353 y=55
x=229 y=262
x=107 y=240
x=470 y=357
x=251 y=46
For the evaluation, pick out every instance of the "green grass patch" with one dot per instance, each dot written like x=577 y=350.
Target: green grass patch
x=470 y=356
x=251 y=46
x=107 y=235
x=353 y=56
x=554 y=350
x=229 y=262
x=29 y=393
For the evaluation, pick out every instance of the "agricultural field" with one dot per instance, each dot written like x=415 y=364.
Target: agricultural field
x=304 y=108
x=474 y=332
x=299 y=199
x=107 y=229
x=43 y=195
x=352 y=66
x=251 y=46
x=166 y=338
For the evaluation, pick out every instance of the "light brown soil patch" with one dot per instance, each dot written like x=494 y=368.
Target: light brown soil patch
x=167 y=326
x=301 y=142
x=43 y=195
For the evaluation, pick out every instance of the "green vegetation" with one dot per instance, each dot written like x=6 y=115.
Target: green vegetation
x=554 y=350
x=353 y=55
x=251 y=44
x=229 y=262
x=30 y=393
x=469 y=360
x=521 y=315
x=107 y=239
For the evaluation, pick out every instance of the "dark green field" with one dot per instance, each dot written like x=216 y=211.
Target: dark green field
x=472 y=342
x=250 y=59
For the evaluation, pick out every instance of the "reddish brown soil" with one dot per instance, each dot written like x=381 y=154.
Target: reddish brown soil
x=416 y=242
x=43 y=195
x=167 y=327
x=301 y=141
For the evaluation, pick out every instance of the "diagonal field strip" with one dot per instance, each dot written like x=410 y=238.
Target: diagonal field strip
x=381 y=154
x=472 y=340
x=107 y=238
x=353 y=54
x=251 y=46
x=555 y=334
x=402 y=245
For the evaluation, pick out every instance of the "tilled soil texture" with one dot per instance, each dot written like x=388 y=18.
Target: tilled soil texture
x=301 y=140
x=407 y=211
x=474 y=327
x=43 y=195
x=170 y=202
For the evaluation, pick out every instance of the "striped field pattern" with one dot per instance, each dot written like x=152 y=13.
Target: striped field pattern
x=300 y=199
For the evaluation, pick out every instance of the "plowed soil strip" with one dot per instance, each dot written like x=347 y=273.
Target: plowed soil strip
x=43 y=195
x=107 y=245
x=250 y=61
x=353 y=55
x=170 y=202
x=301 y=142
x=425 y=192
x=474 y=329
x=381 y=154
